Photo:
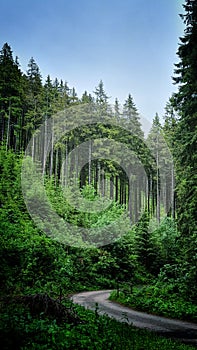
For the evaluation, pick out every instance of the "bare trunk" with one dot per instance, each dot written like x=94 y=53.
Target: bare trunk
x=112 y=187
x=45 y=147
x=89 y=162
x=52 y=145
x=8 y=127
x=77 y=166
x=172 y=192
x=130 y=201
x=117 y=189
x=56 y=166
x=136 y=201
x=158 y=187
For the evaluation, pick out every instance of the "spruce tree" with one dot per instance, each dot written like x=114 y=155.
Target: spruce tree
x=49 y=97
x=101 y=99
x=169 y=132
x=73 y=96
x=64 y=92
x=86 y=98
x=34 y=100
x=117 y=111
x=185 y=103
x=163 y=189
x=11 y=93
x=34 y=77
x=132 y=118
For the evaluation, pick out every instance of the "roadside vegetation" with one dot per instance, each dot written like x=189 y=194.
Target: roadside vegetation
x=151 y=266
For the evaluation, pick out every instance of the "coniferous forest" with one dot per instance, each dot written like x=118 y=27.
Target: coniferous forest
x=120 y=211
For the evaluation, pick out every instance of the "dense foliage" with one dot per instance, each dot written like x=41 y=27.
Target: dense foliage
x=37 y=274
x=151 y=264
x=87 y=331
x=174 y=291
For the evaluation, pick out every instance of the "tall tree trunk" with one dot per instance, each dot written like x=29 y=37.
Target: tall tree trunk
x=130 y=200
x=56 y=166
x=33 y=147
x=45 y=146
x=172 y=192
x=112 y=187
x=89 y=161
x=8 y=127
x=52 y=145
x=102 y=183
x=158 y=182
x=140 y=189
x=117 y=188
x=149 y=194
x=120 y=191
x=77 y=166
x=135 y=201
x=96 y=176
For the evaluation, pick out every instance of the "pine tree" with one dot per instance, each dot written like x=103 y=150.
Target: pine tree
x=117 y=112
x=131 y=121
x=64 y=92
x=73 y=96
x=170 y=124
x=132 y=117
x=185 y=103
x=34 y=100
x=163 y=190
x=11 y=93
x=101 y=98
x=34 y=77
x=86 y=98
x=169 y=130
x=49 y=97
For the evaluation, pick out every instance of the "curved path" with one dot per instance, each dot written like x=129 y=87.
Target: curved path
x=185 y=331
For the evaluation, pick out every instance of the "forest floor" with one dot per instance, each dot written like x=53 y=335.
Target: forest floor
x=184 y=331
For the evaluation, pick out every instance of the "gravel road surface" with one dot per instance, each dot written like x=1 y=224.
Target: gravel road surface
x=185 y=331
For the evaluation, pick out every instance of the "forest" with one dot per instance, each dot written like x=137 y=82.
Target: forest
x=89 y=201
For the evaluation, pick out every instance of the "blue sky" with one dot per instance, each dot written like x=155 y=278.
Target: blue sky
x=130 y=44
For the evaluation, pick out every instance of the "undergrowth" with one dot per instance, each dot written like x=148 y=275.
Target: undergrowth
x=157 y=299
x=24 y=330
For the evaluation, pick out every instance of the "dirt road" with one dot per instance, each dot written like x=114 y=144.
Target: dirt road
x=185 y=331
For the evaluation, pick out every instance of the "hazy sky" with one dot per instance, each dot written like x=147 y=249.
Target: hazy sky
x=130 y=44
